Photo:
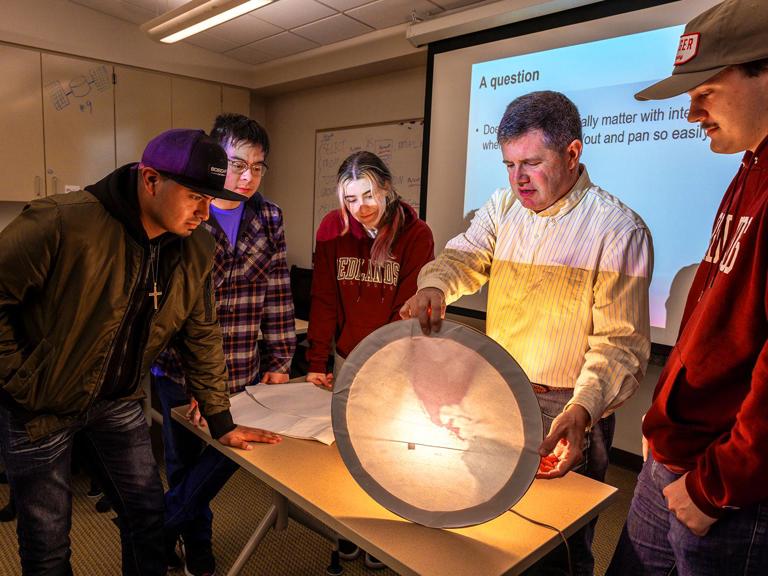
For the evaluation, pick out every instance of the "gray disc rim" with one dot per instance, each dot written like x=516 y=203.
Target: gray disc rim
x=520 y=478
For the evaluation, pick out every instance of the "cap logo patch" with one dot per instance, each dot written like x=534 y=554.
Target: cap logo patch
x=687 y=49
x=218 y=171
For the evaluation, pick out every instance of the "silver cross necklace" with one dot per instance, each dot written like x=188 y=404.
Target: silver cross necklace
x=154 y=264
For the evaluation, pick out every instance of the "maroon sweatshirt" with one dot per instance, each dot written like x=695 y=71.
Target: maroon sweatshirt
x=710 y=408
x=349 y=300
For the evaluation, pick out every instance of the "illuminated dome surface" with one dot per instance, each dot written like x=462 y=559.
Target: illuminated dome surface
x=442 y=430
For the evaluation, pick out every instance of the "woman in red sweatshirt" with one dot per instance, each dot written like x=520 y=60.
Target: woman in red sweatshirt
x=368 y=254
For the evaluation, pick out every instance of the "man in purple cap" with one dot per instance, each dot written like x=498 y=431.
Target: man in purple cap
x=93 y=286
x=701 y=502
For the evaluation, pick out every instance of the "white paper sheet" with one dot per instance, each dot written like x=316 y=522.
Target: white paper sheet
x=248 y=412
x=297 y=398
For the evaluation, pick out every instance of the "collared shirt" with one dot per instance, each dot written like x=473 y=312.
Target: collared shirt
x=568 y=289
x=253 y=295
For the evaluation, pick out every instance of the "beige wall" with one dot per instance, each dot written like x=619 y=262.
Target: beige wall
x=258 y=109
x=292 y=120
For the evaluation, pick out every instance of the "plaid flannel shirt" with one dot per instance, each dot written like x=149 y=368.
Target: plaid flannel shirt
x=253 y=295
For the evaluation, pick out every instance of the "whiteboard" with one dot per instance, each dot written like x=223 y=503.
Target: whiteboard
x=398 y=144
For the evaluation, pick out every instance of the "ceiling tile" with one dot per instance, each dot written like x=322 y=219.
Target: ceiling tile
x=100 y=5
x=386 y=13
x=291 y=13
x=249 y=55
x=245 y=30
x=211 y=42
x=283 y=45
x=451 y=4
x=332 y=29
x=342 y=5
x=157 y=7
x=122 y=10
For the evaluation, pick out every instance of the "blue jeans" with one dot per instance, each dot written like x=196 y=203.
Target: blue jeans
x=654 y=542
x=593 y=465
x=39 y=473
x=196 y=472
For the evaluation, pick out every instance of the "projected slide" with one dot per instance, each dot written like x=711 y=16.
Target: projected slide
x=645 y=153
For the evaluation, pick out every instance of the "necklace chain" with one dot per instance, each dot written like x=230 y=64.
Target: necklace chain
x=154 y=255
x=154 y=266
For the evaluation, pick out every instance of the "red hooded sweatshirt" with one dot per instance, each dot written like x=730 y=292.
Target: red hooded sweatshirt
x=710 y=408
x=349 y=300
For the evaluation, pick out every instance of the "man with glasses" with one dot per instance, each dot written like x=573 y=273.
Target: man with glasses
x=253 y=297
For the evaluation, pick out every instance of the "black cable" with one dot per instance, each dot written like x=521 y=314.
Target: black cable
x=553 y=528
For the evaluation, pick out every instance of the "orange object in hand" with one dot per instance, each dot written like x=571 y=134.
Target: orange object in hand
x=548 y=463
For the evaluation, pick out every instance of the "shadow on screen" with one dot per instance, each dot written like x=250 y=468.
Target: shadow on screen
x=678 y=294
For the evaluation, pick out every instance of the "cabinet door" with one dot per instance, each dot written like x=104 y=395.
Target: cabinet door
x=21 y=116
x=142 y=111
x=195 y=103
x=236 y=100
x=79 y=112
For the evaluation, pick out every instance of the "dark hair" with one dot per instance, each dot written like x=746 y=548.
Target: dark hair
x=233 y=129
x=753 y=68
x=551 y=112
x=367 y=165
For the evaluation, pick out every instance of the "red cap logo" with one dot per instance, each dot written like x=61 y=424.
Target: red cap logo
x=687 y=49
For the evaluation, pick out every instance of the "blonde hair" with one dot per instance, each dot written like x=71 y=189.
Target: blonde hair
x=366 y=165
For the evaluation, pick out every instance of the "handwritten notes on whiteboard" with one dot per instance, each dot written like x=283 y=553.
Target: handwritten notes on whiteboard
x=397 y=143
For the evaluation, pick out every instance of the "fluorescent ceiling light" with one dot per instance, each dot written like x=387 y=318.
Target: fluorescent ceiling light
x=196 y=16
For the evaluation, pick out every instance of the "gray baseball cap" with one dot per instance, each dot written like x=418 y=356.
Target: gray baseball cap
x=733 y=32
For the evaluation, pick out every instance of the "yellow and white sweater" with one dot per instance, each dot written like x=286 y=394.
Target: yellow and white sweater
x=568 y=289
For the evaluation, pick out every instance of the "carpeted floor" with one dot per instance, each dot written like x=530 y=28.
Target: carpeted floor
x=294 y=552
x=611 y=521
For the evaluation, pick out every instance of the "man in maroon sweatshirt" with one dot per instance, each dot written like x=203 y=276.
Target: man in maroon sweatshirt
x=701 y=502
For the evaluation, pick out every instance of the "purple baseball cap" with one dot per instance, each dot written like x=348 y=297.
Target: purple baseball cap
x=192 y=159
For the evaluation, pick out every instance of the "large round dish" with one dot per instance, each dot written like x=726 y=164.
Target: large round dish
x=442 y=430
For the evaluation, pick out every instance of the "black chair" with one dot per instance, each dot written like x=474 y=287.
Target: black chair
x=301 y=288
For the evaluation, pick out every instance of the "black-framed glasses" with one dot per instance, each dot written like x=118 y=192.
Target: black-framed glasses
x=240 y=166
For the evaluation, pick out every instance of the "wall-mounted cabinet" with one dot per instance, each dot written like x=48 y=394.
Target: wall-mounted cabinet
x=21 y=116
x=142 y=110
x=79 y=120
x=69 y=122
x=195 y=103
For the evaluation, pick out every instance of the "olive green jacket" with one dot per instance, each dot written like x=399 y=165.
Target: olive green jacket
x=68 y=271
